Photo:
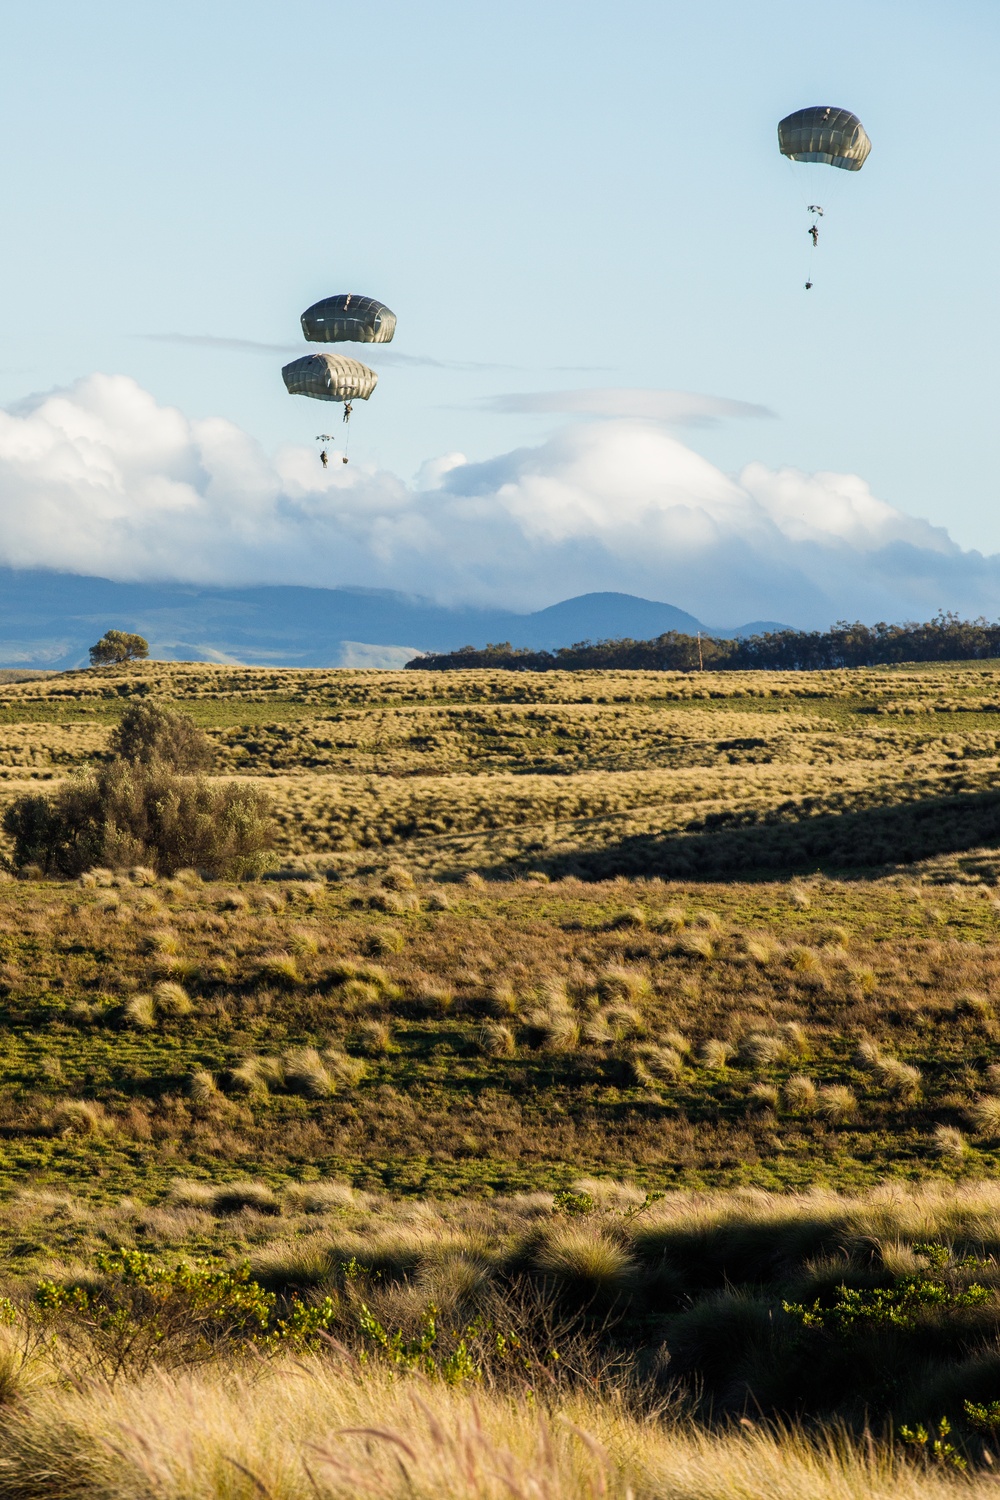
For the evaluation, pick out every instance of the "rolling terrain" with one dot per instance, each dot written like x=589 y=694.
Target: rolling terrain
x=620 y=1050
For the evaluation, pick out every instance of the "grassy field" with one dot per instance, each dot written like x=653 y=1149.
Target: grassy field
x=647 y=1020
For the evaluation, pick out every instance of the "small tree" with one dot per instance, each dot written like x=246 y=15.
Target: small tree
x=147 y=733
x=117 y=646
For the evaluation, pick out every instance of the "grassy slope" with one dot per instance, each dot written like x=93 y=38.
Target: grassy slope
x=526 y=1031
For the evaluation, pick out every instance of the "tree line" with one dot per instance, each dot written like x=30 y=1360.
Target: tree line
x=944 y=638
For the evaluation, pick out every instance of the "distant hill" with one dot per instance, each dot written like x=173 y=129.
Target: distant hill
x=51 y=619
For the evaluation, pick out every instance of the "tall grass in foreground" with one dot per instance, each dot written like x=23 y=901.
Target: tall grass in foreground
x=319 y=1428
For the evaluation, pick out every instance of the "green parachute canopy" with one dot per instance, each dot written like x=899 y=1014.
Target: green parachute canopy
x=348 y=318
x=825 y=134
x=329 y=377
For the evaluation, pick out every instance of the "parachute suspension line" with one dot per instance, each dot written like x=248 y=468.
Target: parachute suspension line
x=813 y=232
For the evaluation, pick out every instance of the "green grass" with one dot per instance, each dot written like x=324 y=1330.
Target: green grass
x=437 y=1113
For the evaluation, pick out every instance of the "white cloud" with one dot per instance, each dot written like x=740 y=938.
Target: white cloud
x=100 y=479
x=678 y=408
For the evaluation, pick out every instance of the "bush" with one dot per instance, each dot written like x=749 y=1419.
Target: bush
x=134 y=814
x=116 y=647
x=147 y=733
x=140 y=1315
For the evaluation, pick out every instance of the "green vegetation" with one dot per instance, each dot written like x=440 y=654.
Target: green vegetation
x=943 y=639
x=116 y=647
x=619 y=1049
x=139 y=810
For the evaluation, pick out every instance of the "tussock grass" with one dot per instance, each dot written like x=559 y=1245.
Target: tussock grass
x=799 y=1095
x=836 y=1103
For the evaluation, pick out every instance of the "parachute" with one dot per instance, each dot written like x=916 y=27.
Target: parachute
x=348 y=318
x=824 y=134
x=344 y=319
x=329 y=377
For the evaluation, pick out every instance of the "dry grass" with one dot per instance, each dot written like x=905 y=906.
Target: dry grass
x=318 y=1428
x=619 y=756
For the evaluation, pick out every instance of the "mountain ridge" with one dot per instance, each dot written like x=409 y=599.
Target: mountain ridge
x=50 y=619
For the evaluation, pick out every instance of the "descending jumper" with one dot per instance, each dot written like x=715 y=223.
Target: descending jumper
x=344 y=318
x=825 y=136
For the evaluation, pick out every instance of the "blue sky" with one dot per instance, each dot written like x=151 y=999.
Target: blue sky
x=550 y=195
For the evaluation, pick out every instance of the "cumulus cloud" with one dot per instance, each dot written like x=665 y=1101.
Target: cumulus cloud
x=101 y=479
x=677 y=408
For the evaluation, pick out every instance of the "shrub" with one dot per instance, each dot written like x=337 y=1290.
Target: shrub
x=130 y=813
x=116 y=647
x=147 y=733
